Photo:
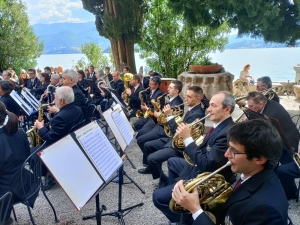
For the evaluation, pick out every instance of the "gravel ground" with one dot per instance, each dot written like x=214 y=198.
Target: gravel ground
x=131 y=195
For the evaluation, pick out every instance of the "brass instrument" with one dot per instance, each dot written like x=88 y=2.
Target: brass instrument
x=139 y=113
x=197 y=129
x=126 y=77
x=35 y=139
x=268 y=92
x=156 y=104
x=212 y=188
x=296 y=158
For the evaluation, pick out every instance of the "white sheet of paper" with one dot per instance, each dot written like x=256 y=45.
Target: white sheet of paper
x=123 y=128
x=97 y=146
x=72 y=170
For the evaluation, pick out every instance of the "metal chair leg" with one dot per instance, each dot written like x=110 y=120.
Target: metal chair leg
x=53 y=209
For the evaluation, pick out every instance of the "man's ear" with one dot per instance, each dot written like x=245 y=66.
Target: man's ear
x=260 y=161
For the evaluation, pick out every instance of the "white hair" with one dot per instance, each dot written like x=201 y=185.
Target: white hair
x=72 y=74
x=55 y=76
x=65 y=93
x=100 y=72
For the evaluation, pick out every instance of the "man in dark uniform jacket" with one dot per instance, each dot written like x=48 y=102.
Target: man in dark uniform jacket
x=92 y=74
x=33 y=82
x=153 y=93
x=258 y=197
x=158 y=132
x=117 y=84
x=208 y=157
x=133 y=94
x=159 y=151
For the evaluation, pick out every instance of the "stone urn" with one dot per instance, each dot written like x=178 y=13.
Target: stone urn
x=206 y=69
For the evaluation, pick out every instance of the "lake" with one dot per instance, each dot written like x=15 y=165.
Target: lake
x=278 y=63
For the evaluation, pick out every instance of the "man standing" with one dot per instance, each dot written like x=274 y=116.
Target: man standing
x=208 y=157
x=258 y=197
x=33 y=82
x=92 y=74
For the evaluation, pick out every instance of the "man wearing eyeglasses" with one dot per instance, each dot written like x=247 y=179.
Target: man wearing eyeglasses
x=257 y=198
x=208 y=157
x=33 y=82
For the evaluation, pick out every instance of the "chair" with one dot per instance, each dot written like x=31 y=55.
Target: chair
x=90 y=112
x=77 y=126
x=31 y=179
x=4 y=206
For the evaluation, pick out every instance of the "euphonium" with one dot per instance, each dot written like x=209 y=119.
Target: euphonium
x=139 y=113
x=35 y=139
x=126 y=77
x=212 y=188
x=197 y=129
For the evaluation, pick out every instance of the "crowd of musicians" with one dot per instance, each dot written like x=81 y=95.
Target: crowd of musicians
x=168 y=129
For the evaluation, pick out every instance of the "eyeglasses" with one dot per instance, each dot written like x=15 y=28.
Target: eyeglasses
x=233 y=152
x=30 y=73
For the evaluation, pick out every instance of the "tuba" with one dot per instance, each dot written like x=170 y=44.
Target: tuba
x=197 y=129
x=212 y=188
x=139 y=113
x=126 y=77
x=35 y=139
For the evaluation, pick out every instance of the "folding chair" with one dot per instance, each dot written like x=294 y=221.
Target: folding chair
x=91 y=109
x=4 y=206
x=77 y=126
x=31 y=179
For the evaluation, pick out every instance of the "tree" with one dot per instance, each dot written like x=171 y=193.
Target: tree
x=171 y=45
x=275 y=21
x=94 y=55
x=121 y=22
x=19 y=47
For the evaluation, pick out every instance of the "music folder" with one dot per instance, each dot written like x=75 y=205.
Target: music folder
x=82 y=162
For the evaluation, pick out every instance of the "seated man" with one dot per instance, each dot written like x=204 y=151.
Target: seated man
x=158 y=151
x=208 y=157
x=154 y=93
x=258 y=198
x=117 y=84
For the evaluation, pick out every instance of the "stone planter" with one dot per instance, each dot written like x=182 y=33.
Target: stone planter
x=206 y=69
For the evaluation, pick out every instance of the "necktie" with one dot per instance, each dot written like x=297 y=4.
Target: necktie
x=209 y=132
x=238 y=184
x=151 y=92
x=132 y=91
x=186 y=113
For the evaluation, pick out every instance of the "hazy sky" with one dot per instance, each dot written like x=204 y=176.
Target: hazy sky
x=57 y=11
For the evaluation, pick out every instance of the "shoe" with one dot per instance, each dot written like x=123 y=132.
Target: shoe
x=145 y=170
x=161 y=184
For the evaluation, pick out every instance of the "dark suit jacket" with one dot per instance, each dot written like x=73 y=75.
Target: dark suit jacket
x=83 y=85
x=118 y=86
x=135 y=102
x=62 y=122
x=36 y=83
x=260 y=200
x=79 y=99
x=145 y=82
x=14 y=149
x=275 y=98
x=277 y=111
x=10 y=104
x=92 y=76
x=209 y=156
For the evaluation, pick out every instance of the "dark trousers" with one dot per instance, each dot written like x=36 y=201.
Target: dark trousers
x=175 y=166
x=287 y=174
x=161 y=199
x=140 y=123
x=156 y=159
x=141 y=140
x=151 y=147
x=148 y=126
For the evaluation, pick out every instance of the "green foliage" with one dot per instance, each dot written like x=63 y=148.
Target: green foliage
x=170 y=44
x=19 y=47
x=275 y=21
x=94 y=55
x=205 y=61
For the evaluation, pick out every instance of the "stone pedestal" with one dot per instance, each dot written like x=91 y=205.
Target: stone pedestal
x=297 y=78
x=210 y=83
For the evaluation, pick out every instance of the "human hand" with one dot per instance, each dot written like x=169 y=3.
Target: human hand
x=167 y=110
x=39 y=125
x=189 y=201
x=53 y=109
x=183 y=131
x=144 y=107
x=156 y=114
x=128 y=91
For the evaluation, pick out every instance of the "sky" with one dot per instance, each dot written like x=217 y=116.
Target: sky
x=57 y=11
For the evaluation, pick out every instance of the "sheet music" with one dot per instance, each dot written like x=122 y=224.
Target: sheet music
x=27 y=109
x=125 y=132
x=99 y=149
x=72 y=170
x=125 y=119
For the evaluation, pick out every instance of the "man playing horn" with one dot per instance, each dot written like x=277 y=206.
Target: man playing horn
x=258 y=198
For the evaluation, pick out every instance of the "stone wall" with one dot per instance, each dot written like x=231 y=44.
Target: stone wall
x=210 y=83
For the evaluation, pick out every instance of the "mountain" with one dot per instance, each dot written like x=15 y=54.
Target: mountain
x=66 y=38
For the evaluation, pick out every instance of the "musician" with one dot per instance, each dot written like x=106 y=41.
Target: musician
x=6 y=87
x=117 y=84
x=107 y=72
x=144 y=80
x=133 y=93
x=158 y=151
x=154 y=93
x=208 y=157
x=157 y=131
x=44 y=82
x=92 y=74
x=70 y=79
x=82 y=84
x=33 y=81
x=258 y=103
x=14 y=149
x=258 y=198
x=54 y=80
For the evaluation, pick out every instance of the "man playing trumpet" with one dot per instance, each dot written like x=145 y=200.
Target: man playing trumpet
x=258 y=198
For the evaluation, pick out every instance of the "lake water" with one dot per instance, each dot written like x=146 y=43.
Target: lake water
x=278 y=63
